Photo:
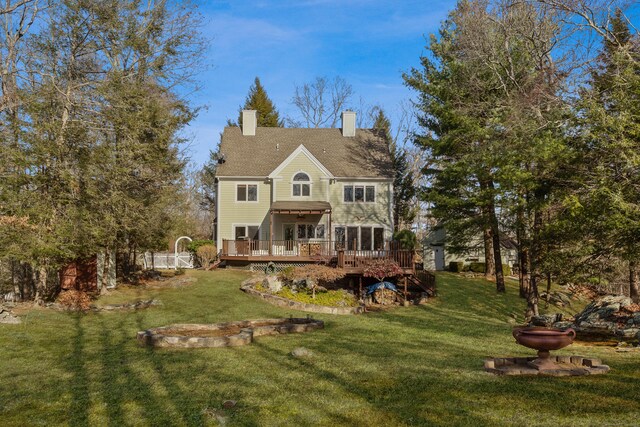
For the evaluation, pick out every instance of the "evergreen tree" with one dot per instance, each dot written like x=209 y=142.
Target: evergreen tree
x=403 y=188
x=494 y=126
x=607 y=204
x=99 y=134
x=258 y=100
x=459 y=142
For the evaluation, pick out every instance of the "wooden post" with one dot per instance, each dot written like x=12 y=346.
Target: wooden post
x=270 y=232
x=405 y=288
x=360 y=287
x=329 y=231
x=354 y=254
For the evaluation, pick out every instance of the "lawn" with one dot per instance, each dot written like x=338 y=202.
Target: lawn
x=408 y=366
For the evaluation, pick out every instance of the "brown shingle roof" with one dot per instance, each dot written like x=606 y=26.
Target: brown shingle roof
x=365 y=155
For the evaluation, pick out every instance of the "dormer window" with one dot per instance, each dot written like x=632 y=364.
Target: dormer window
x=301 y=185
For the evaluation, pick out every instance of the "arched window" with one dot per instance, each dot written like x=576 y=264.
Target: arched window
x=301 y=185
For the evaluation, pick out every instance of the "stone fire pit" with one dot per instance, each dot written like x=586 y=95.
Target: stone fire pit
x=228 y=334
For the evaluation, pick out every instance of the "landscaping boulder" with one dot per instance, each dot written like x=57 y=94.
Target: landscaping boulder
x=272 y=283
x=559 y=299
x=301 y=352
x=7 y=317
x=546 y=320
x=563 y=325
x=610 y=316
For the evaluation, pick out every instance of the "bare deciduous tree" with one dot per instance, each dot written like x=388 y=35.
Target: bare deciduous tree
x=320 y=102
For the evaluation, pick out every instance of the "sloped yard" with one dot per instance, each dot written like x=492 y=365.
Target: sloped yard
x=409 y=366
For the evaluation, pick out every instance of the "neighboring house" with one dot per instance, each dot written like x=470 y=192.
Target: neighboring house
x=296 y=195
x=437 y=257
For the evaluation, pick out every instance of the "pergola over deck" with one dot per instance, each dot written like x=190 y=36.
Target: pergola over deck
x=298 y=208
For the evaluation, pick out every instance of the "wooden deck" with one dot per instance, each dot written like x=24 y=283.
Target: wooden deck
x=353 y=261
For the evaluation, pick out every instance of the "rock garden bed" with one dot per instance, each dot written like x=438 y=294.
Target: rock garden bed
x=345 y=303
x=229 y=334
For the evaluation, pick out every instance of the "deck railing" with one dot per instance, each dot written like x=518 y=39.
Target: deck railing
x=278 y=248
x=315 y=249
x=359 y=259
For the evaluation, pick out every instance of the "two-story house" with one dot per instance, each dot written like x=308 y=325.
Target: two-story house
x=296 y=195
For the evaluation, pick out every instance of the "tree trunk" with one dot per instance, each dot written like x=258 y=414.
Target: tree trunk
x=523 y=256
x=489 y=261
x=41 y=283
x=489 y=213
x=17 y=291
x=495 y=231
x=634 y=282
x=536 y=261
x=497 y=254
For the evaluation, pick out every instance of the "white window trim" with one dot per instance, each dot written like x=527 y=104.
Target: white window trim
x=310 y=182
x=385 y=232
x=364 y=186
x=244 y=224
x=257 y=184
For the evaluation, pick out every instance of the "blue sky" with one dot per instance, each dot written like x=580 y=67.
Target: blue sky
x=369 y=43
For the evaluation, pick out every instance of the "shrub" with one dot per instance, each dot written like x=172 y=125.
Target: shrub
x=382 y=268
x=506 y=270
x=206 y=254
x=75 y=300
x=179 y=272
x=287 y=274
x=456 y=266
x=406 y=238
x=195 y=244
x=337 y=298
x=477 y=267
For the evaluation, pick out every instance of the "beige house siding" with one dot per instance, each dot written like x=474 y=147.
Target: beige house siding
x=323 y=188
x=359 y=213
x=232 y=212
x=301 y=163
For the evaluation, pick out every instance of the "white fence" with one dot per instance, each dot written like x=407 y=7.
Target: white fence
x=166 y=260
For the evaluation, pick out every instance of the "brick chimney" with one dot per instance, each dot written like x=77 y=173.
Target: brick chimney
x=249 y=122
x=348 y=123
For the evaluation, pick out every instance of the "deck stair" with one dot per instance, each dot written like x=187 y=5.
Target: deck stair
x=424 y=280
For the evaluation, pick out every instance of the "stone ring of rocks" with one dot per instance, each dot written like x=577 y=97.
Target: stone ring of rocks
x=136 y=305
x=564 y=366
x=228 y=334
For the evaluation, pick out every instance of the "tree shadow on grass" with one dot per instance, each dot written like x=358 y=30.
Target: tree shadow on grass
x=79 y=385
x=163 y=362
x=393 y=402
x=120 y=384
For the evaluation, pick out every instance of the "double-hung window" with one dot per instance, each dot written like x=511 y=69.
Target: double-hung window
x=247 y=193
x=359 y=193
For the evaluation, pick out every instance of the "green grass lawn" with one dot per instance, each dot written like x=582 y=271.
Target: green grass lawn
x=408 y=366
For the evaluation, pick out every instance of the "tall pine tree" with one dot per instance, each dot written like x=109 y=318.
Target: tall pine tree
x=403 y=188
x=608 y=201
x=258 y=100
x=456 y=105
